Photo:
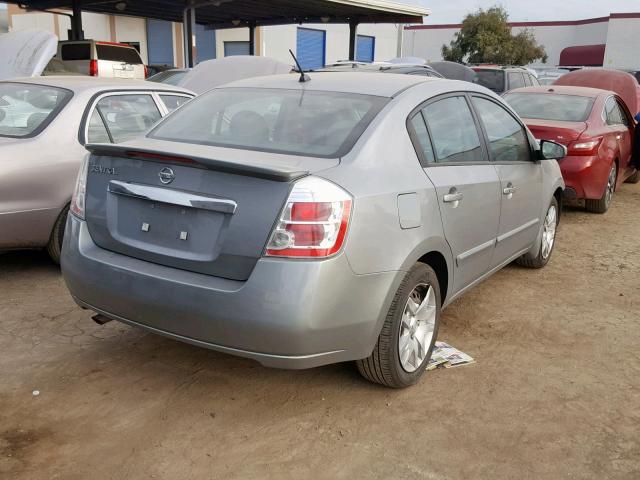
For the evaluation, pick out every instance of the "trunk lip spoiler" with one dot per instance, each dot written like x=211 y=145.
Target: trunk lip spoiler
x=268 y=173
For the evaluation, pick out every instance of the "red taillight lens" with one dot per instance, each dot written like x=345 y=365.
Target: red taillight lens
x=584 y=147
x=93 y=68
x=314 y=221
x=146 y=72
x=80 y=190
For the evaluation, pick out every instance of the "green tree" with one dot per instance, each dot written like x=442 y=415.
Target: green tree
x=485 y=37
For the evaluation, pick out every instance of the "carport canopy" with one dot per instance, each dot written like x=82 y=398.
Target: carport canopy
x=218 y=14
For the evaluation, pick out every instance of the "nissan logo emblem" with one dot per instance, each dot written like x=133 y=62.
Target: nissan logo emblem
x=166 y=175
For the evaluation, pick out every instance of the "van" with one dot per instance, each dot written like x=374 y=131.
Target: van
x=101 y=59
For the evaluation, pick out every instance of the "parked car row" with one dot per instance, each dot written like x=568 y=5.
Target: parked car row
x=295 y=219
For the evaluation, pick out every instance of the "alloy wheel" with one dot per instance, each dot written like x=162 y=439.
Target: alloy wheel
x=611 y=185
x=549 y=231
x=416 y=327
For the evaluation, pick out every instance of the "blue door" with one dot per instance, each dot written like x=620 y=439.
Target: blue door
x=236 y=48
x=205 y=43
x=160 y=42
x=310 y=48
x=365 y=48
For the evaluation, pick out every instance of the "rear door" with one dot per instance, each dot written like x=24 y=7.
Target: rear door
x=468 y=188
x=520 y=179
x=619 y=124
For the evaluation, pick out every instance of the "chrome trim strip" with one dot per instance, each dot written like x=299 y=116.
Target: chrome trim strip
x=515 y=231
x=172 y=197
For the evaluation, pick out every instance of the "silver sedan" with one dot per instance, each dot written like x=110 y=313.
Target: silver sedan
x=44 y=125
x=305 y=221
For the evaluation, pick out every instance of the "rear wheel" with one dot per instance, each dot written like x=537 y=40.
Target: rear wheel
x=635 y=178
x=602 y=204
x=54 y=247
x=409 y=332
x=547 y=241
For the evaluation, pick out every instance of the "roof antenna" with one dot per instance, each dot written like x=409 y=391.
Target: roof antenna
x=303 y=76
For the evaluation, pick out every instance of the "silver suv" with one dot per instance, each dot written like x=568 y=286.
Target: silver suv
x=100 y=59
x=301 y=223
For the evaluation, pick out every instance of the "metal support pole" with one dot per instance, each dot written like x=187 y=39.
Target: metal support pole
x=400 y=40
x=76 y=21
x=189 y=29
x=353 y=28
x=252 y=38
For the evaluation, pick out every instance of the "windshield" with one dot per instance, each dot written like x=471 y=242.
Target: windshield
x=492 y=79
x=321 y=124
x=549 y=106
x=26 y=109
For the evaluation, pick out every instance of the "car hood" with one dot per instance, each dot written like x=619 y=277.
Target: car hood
x=26 y=53
x=213 y=73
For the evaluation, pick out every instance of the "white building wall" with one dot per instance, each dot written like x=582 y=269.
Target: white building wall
x=427 y=43
x=623 y=44
x=43 y=21
x=131 y=29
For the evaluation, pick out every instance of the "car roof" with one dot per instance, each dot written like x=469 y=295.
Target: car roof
x=84 y=83
x=503 y=68
x=563 y=90
x=366 y=83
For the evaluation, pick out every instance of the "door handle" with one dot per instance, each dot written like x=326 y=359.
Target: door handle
x=510 y=190
x=452 y=197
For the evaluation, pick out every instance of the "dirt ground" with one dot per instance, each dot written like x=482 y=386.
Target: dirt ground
x=555 y=392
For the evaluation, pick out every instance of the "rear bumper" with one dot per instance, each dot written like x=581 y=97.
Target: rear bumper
x=288 y=314
x=586 y=176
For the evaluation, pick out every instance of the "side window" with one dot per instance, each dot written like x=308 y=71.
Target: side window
x=534 y=81
x=507 y=139
x=126 y=116
x=622 y=115
x=527 y=80
x=611 y=112
x=173 y=101
x=422 y=141
x=96 y=131
x=453 y=131
x=515 y=80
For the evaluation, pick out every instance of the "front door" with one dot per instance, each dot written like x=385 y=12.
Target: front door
x=619 y=124
x=466 y=183
x=520 y=179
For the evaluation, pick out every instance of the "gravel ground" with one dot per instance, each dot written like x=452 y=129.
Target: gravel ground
x=555 y=392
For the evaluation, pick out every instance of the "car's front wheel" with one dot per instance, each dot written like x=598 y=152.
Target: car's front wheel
x=547 y=239
x=409 y=332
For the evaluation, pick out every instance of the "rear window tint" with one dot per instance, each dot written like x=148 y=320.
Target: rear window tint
x=550 y=106
x=492 y=79
x=516 y=80
x=117 y=53
x=297 y=122
x=76 y=51
x=25 y=110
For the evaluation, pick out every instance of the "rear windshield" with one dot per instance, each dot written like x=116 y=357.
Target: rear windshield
x=75 y=51
x=170 y=77
x=492 y=79
x=25 y=110
x=550 y=106
x=320 y=124
x=117 y=53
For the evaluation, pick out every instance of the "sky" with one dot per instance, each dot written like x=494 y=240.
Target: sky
x=453 y=11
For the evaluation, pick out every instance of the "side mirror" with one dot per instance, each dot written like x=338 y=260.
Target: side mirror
x=551 y=150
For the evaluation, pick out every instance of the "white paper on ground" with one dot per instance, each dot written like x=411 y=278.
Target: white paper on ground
x=26 y=53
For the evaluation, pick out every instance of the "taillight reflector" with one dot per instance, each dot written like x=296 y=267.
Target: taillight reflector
x=93 y=68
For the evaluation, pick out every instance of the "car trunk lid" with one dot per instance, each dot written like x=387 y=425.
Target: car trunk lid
x=209 y=212
x=557 y=131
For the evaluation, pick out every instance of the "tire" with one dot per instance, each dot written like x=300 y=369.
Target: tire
x=545 y=250
x=635 y=178
x=603 y=203
x=384 y=365
x=54 y=247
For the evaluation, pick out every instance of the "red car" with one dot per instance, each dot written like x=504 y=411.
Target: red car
x=597 y=129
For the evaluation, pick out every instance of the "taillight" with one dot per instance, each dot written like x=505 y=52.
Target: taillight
x=146 y=72
x=79 y=192
x=584 y=147
x=314 y=221
x=93 y=68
